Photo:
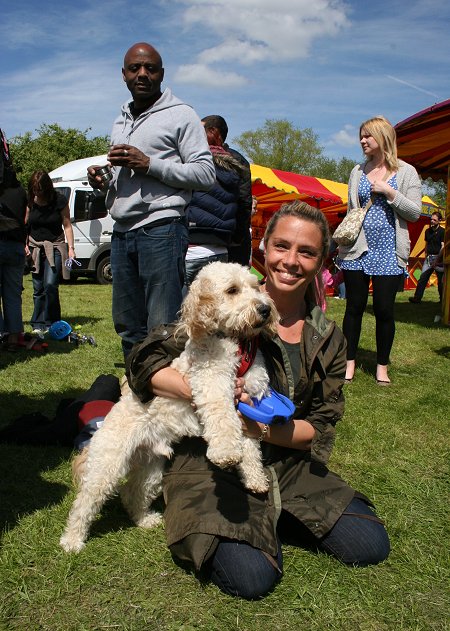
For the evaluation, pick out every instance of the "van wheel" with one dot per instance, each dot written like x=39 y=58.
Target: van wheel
x=104 y=275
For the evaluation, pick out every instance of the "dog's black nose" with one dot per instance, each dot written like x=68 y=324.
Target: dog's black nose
x=264 y=311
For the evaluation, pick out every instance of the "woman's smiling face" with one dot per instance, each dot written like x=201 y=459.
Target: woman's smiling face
x=293 y=253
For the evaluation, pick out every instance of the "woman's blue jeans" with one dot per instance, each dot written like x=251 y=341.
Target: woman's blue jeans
x=12 y=261
x=240 y=570
x=147 y=267
x=47 y=308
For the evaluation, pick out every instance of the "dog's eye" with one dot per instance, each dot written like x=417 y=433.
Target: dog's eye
x=232 y=290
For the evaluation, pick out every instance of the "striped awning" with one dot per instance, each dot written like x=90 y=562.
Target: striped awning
x=424 y=140
x=273 y=187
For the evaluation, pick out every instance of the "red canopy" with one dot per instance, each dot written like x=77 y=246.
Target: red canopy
x=424 y=140
x=273 y=187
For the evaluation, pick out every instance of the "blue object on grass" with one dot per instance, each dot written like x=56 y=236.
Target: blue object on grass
x=274 y=408
x=59 y=330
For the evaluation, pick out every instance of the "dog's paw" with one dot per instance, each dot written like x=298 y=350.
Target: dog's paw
x=69 y=544
x=224 y=456
x=257 y=482
x=150 y=520
x=259 y=486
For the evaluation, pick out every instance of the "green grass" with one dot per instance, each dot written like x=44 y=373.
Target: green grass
x=392 y=444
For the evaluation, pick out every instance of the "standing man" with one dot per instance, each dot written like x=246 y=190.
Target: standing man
x=434 y=251
x=240 y=250
x=159 y=154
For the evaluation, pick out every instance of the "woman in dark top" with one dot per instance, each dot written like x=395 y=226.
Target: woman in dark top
x=13 y=204
x=50 y=233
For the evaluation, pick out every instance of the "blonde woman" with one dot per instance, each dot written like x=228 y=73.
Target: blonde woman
x=381 y=250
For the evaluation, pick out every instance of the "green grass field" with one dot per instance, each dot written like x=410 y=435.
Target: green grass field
x=393 y=445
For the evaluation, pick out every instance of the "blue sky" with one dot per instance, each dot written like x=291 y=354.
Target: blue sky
x=324 y=64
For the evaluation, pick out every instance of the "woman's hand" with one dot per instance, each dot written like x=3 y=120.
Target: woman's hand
x=297 y=434
x=382 y=187
x=240 y=393
x=251 y=429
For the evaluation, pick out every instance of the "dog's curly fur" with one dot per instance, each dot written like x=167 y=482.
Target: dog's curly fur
x=224 y=305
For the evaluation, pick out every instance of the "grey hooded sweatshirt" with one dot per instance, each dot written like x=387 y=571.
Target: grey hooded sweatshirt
x=172 y=136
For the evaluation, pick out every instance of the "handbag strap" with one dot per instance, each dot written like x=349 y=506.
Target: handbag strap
x=370 y=202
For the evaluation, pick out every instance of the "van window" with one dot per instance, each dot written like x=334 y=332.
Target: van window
x=64 y=190
x=88 y=206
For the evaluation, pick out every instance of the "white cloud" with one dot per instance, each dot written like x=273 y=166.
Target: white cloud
x=235 y=50
x=347 y=137
x=201 y=74
x=252 y=31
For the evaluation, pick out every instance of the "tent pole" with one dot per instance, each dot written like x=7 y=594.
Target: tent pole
x=446 y=293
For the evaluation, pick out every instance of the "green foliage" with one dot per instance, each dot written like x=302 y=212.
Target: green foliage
x=280 y=145
x=437 y=191
x=52 y=147
x=336 y=170
x=392 y=444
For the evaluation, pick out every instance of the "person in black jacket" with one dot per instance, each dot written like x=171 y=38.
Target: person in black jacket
x=13 y=204
x=240 y=249
x=434 y=251
x=212 y=214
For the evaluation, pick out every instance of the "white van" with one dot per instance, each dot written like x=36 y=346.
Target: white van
x=92 y=225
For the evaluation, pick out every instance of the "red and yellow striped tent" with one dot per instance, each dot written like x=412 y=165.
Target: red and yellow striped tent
x=424 y=141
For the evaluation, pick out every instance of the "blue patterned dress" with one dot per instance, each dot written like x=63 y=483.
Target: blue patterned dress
x=379 y=229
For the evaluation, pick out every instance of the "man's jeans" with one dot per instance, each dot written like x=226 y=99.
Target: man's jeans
x=12 y=261
x=427 y=272
x=147 y=267
x=47 y=308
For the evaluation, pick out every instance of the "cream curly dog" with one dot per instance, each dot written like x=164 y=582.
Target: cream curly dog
x=224 y=306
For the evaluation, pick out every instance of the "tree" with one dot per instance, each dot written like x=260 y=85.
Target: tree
x=336 y=170
x=280 y=145
x=52 y=147
x=436 y=190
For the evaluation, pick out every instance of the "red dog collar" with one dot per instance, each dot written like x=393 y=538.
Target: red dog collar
x=247 y=351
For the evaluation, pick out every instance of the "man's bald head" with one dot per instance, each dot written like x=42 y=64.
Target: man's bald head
x=142 y=47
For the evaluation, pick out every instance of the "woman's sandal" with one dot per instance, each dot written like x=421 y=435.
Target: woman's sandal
x=381 y=382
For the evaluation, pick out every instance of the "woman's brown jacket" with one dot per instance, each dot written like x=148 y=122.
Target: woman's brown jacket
x=203 y=502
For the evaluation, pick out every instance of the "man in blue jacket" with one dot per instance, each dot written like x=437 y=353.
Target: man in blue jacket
x=240 y=248
x=159 y=155
x=212 y=215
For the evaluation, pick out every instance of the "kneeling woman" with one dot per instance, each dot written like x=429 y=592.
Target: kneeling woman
x=212 y=521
